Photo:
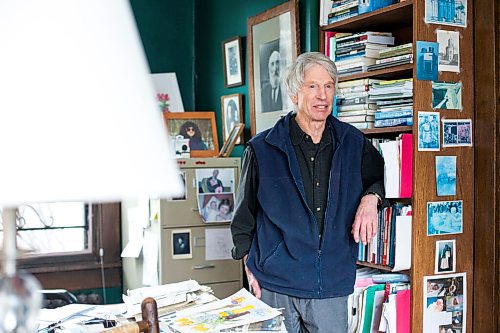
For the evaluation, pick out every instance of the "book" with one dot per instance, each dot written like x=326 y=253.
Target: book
x=353 y=101
x=405 y=121
x=394 y=59
x=395 y=101
x=369 y=36
x=355 y=113
x=356 y=119
x=393 y=114
x=354 y=89
x=361 y=126
x=368 y=106
x=344 y=6
x=357 y=82
x=342 y=64
x=389 y=64
x=366 y=6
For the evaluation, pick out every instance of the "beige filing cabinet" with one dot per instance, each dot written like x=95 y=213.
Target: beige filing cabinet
x=182 y=232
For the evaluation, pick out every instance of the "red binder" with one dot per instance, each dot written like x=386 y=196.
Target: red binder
x=406 y=155
x=403 y=311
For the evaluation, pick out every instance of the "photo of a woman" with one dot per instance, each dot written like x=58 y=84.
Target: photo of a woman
x=189 y=130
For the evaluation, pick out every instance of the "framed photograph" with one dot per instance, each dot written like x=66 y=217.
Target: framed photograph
x=273 y=44
x=228 y=146
x=457 y=132
x=232 y=114
x=447 y=95
x=197 y=127
x=181 y=244
x=233 y=63
x=445 y=261
x=444 y=218
x=428 y=131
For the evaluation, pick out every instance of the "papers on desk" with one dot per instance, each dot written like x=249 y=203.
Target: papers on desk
x=63 y=314
x=167 y=295
x=227 y=315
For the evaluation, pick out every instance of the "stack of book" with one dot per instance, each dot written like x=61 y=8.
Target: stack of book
x=394 y=100
x=393 y=56
x=353 y=104
x=342 y=9
x=354 y=53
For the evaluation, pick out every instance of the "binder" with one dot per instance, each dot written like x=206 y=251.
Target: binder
x=403 y=311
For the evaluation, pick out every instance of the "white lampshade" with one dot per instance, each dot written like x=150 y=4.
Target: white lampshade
x=78 y=116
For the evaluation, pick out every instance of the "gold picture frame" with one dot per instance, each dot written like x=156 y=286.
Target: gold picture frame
x=228 y=145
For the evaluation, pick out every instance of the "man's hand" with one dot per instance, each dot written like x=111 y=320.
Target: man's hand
x=252 y=281
x=366 y=220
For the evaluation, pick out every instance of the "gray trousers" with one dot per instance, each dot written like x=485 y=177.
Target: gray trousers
x=309 y=315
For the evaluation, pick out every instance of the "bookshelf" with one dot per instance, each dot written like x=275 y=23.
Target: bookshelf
x=405 y=21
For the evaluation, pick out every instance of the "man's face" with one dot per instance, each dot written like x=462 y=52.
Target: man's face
x=314 y=99
x=215 y=173
x=274 y=68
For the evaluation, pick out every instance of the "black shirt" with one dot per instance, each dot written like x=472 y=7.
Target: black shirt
x=315 y=163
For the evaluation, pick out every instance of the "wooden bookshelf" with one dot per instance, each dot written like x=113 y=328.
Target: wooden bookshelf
x=395 y=72
x=406 y=22
x=391 y=17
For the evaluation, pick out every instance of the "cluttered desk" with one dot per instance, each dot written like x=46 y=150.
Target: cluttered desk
x=184 y=307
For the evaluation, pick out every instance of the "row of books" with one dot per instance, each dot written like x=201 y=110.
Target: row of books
x=391 y=246
x=337 y=10
x=368 y=103
x=365 y=51
x=379 y=303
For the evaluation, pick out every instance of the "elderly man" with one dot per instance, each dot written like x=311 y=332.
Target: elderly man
x=309 y=192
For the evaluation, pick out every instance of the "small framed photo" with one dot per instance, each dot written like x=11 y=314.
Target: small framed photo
x=445 y=261
x=447 y=95
x=233 y=63
x=181 y=244
x=197 y=127
x=428 y=131
x=444 y=218
x=457 y=132
x=228 y=146
x=232 y=114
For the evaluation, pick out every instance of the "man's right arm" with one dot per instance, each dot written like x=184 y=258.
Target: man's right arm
x=245 y=211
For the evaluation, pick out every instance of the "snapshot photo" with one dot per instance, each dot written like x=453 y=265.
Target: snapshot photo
x=449 y=51
x=232 y=114
x=457 y=132
x=427 y=60
x=445 y=303
x=216 y=207
x=444 y=217
x=445 y=261
x=181 y=244
x=445 y=12
x=217 y=180
x=446 y=175
x=447 y=95
x=428 y=131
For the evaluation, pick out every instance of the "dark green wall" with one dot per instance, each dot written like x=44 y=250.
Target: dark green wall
x=167 y=32
x=218 y=20
x=185 y=36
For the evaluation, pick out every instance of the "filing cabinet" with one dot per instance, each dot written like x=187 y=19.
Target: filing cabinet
x=182 y=232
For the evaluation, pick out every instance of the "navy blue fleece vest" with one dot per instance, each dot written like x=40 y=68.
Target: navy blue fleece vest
x=286 y=255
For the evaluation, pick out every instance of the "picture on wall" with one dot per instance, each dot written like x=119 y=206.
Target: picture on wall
x=446 y=95
x=233 y=63
x=232 y=114
x=444 y=217
x=449 y=50
x=181 y=244
x=457 y=132
x=273 y=43
x=445 y=261
x=428 y=131
x=446 y=12
x=446 y=175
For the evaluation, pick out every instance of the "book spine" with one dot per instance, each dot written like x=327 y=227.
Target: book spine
x=341 y=17
x=408 y=121
x=368 y=106
x=392 y=59
x=360 y=88
x=353 y=101
x=345 y=6
x=393 y=114
x=398 y=47
x=359 y=54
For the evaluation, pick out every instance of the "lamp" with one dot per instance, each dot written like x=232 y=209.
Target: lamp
x=78 y=118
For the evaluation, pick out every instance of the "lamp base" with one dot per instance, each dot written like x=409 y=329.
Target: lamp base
x=20 y=301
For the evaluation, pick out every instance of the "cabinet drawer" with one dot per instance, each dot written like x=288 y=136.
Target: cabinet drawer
x=192 y=264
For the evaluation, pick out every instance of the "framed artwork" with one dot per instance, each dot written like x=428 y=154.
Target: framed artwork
x=198 y=127
x=235 y=134
x=232 y=114
x=233 y=63
x=273 y=44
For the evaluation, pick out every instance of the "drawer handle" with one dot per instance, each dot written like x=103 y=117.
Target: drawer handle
x=204 y=266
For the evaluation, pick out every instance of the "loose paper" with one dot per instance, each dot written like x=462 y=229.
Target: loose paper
x=219 y=243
